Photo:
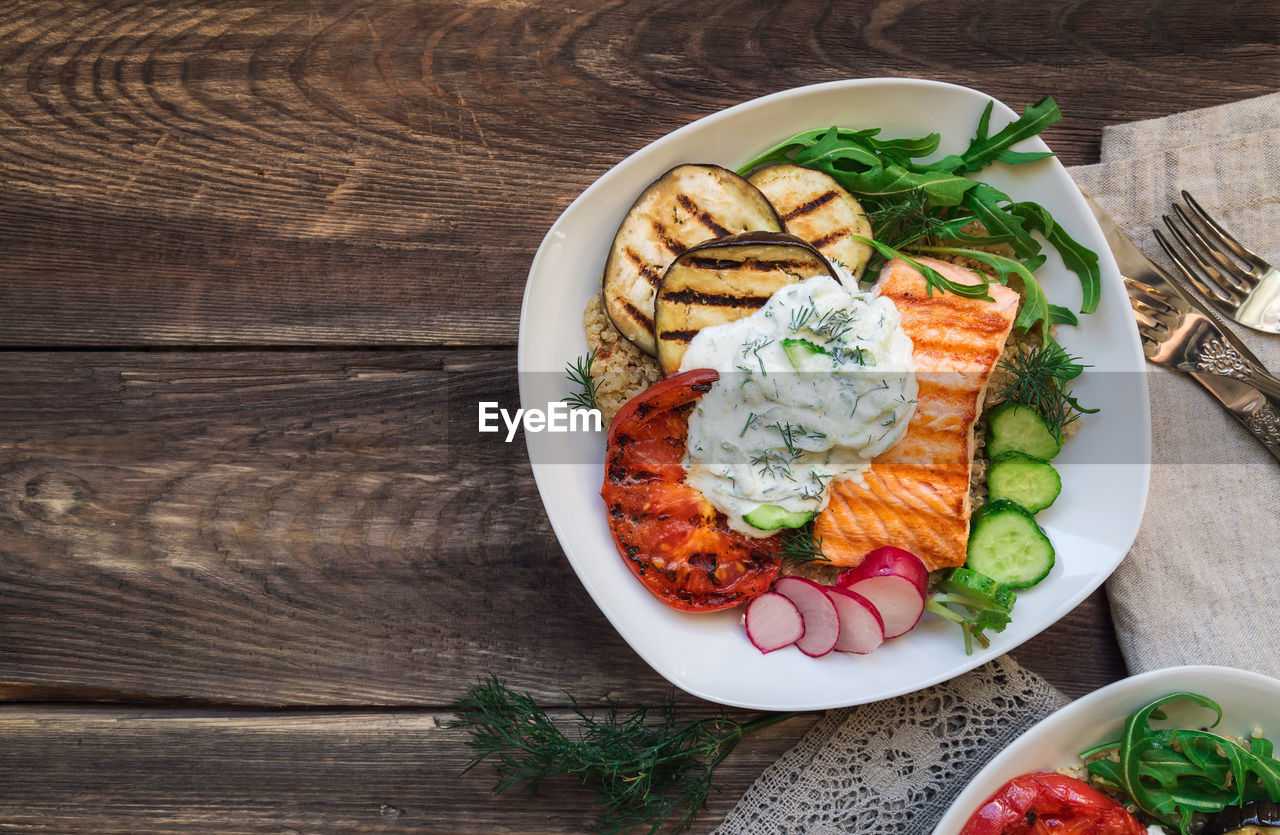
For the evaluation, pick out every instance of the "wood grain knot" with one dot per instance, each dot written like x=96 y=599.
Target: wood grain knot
x=55 y=496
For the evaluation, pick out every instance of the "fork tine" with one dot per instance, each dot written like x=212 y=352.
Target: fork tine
x=1255 y=262
x=1237 y=275
x=1163 y=296
x=1155 y=301
x=1157 y=315
x=1145 y=323
x=1216 y=292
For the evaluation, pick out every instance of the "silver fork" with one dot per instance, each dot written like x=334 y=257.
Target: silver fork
x=1235 y=279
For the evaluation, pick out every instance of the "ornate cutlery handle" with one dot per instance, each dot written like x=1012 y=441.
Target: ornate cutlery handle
x=1264 y=422
x=1217 y=357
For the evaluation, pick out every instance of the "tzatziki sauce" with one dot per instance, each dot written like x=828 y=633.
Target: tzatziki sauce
x=812 y=386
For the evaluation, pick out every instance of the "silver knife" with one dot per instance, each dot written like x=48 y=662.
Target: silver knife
x=1199 y=344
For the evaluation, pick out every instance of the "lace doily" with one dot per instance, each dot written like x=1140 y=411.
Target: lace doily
x=894 y=766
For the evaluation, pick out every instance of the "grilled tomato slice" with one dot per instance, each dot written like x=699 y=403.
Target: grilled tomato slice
x=668 y=534
x=1051 y=804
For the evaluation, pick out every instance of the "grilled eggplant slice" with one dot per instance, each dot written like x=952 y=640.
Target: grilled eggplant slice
x=813 y=206
x=686 y=206
x=1255 y=816
x=724 y=280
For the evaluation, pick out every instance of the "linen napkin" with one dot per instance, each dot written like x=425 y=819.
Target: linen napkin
x=1201 y=583
x=1198 y=585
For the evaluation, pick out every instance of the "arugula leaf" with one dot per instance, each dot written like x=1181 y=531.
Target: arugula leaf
x=886 y=171
x=1170 y=774
x=985 y=201
x=933 y=279
x=1079 y=259
x=984 y=149
x=1035 y=306
x=1059 y=315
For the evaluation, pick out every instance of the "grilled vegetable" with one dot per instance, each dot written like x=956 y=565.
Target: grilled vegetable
x=1261 y=815
x=724 y=280
x=678 y=545
x=686 y=206
x=813 y=206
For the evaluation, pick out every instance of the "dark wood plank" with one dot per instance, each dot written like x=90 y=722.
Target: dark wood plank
x=299 y=528
x=140 y=770
x=379 y=173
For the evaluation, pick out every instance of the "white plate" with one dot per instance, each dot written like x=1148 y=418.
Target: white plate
x=1104 y=468
x=1248 y=700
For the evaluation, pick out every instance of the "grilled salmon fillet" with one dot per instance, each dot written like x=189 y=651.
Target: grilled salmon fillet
x=916 y=495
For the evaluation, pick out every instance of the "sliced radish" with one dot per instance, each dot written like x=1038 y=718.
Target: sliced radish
x=861 y=629
x=897 y=599
x=821 y=623
x=888 y=560
x=773 y=622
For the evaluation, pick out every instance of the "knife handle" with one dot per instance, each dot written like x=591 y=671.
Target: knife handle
x=1263 y=420
x=1217 y=356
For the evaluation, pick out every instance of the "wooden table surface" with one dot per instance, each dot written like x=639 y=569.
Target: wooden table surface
x=257 y=256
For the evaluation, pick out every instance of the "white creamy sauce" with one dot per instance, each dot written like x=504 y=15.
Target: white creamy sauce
x=812 y=386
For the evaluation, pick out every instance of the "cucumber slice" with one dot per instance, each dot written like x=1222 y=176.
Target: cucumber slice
x=771 y=517
x=1008 y=546
x=802 y=353
x=1015 y=427
x=1024 y=480
x=967 y=585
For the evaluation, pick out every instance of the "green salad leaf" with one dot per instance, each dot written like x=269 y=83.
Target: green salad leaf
x=1171 y=774
x=916 y=204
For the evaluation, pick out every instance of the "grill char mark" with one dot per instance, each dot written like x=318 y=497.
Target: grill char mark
x=645 y=269
x=810 y=207
x=753 y=264
x=714 y=299
x=664 y=237
x=638 y=315
x=831 y=236
x=678 y=336
x=703 y=217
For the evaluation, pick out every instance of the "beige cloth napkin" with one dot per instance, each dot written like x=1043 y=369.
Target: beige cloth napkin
x=1201 y=582
x=1198 y=586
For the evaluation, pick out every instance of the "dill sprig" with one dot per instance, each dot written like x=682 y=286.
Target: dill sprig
x=801 y=545
x=646 y=770
x=911 y=220
x=579 y=374
x=1039 y=377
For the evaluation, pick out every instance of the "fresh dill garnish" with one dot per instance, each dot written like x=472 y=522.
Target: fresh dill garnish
x=800 y=318
x=835 y=324
x=788 y=432
x=751 y=419
x=1038 y=379
x=858 y=355
x=646 y=770
x=579 y=374
x=913 y=219
x=754 y=347
x=771 y=462
x=801 y=545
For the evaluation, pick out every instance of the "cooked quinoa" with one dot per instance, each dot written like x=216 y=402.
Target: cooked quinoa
x=621 y=370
